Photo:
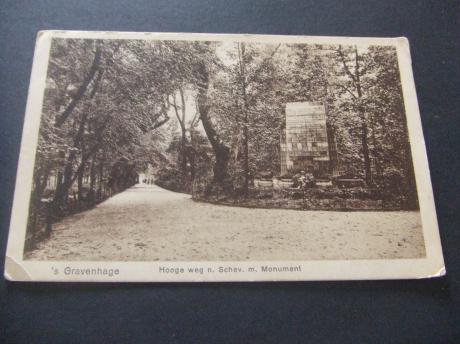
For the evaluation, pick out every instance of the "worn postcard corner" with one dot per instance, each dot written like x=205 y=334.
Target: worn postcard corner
x=206 y=157
x=440 y=273
x=14 y=271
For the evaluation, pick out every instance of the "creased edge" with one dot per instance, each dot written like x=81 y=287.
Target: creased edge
x=14 y=271
x=441 y=272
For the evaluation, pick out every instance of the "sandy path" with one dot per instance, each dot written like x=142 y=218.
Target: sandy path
x=148 y=223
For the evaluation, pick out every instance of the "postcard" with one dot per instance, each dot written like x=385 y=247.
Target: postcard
x=163 y=157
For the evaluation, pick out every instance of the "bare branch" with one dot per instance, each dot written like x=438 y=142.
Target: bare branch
x=176 y=111
x=182 y=97
x=96 y=83
x=345 y=88
x=344 y=62
x=159 y=124
x=82 y=89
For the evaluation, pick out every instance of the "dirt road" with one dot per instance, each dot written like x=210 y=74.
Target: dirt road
x=148 y=223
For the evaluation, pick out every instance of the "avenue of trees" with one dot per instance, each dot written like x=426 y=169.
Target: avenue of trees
x=210 y=112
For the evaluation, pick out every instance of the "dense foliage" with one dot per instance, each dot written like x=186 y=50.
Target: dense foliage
x=208 y=116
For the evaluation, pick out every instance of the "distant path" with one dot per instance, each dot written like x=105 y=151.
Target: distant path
x=149 y=223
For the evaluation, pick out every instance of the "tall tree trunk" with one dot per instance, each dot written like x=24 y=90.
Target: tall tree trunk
x=82 y=89
x=183 y=136
x=92 y=181
x=66 y=180
x=61 y=194
x=58 y=192
x=241 y=55
x=191 y=153
x=80 y=185
x=364 y=129
x=101 y=176
x=41 y=179
x=367 y=160
x=376 y=152
x=63 y=184
x=221 y=151
x=192 y=166
x=80 y=175
x=182 y=156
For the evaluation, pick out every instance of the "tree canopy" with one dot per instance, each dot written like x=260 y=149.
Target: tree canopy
x=214 y=111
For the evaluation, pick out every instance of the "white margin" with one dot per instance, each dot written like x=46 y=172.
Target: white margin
x=17 y=269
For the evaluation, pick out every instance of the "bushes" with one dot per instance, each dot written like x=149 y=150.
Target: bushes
x=42 y=212
x=172 y=179
x=264 y=175
x=352 y=193
x=319 y=197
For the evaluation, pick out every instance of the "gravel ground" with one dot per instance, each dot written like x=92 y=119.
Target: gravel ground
x=148 y=223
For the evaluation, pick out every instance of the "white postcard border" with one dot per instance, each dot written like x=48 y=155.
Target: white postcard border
x=18 y=269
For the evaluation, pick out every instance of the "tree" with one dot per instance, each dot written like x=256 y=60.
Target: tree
x=108 y=106
x=202 y=71
x=352 y=71
x=248 y=110
x=180 y=112
x=390 y=139
x=98 y=103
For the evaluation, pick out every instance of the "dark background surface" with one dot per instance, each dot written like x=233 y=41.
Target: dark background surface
x=424 y=311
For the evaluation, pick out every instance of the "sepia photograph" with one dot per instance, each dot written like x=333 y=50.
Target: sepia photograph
x=222 y=149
